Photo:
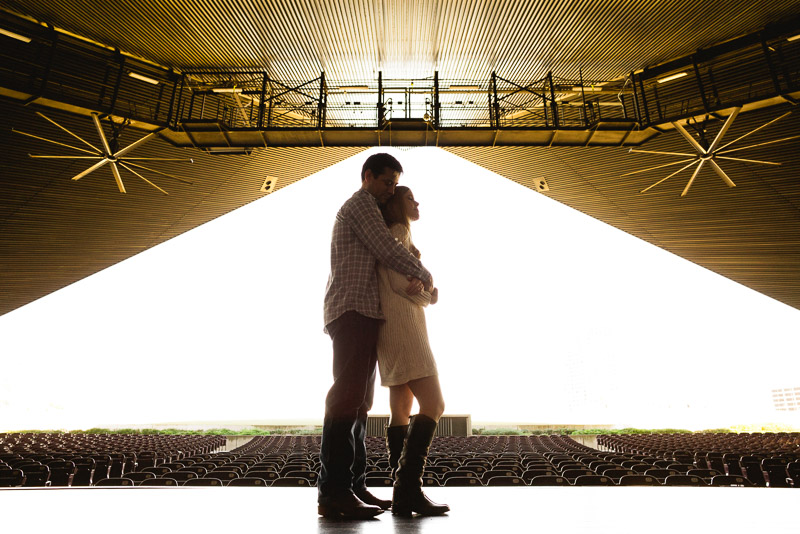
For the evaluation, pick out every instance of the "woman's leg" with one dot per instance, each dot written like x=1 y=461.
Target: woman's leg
x=429 y=396
x=401 y=400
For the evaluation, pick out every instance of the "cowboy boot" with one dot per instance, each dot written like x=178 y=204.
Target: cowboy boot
x=408 y=496
x=395 y=440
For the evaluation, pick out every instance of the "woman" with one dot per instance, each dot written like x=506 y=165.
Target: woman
x=407 y=367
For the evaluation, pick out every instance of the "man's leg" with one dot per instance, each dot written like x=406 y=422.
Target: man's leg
x=354 y=357
x=360 y=459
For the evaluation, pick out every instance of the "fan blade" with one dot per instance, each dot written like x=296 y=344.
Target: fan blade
x=135 y=144
x=754 y=131
x=117 y=177
x=658 y=167
x=692 y=141
x=65 y=157
x=759 y=144
x=721 y=173
x=91 y=169
x=749 y=160
x=161 y=173
x=694 y=175
x=657 y=152
x=724 y=129
x=102 y=134
x=55 y=142
x=87 y=143
x=694 y=162
x=143 y=178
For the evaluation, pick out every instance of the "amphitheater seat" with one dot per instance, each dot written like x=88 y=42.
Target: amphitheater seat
x=593 y=480
x=12 y=478
x=378 y=481
x=793 y=470
x=85 y=469
x=681 y=467
x=199 y=470
x=463 y=481
x=728 y=480
x=572 y=474
x=160 y=481
x=753 y=473
x=661 y=474
x=528 y=474
x=291 y=482
x=488 y=475
x=259 y=472
x=777 y=472
x=684 y=480
x=36 y=475
x=549 y=480
x=140 y=476
x=616 y=474
x=706 y=474
x=115 y=481
x=459 y=473
x=732 y=465
x=638 y=480
x=311 y=476
x=181 y=476
x=203 y=482
x=62 y=472
x=506 y=481
x=252 y=482
x=158 y=471
x=223 y=475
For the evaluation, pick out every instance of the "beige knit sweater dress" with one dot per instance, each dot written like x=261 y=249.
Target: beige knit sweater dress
x=404 y=353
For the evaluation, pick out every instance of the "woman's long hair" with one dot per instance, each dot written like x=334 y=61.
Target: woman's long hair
x=394 y=212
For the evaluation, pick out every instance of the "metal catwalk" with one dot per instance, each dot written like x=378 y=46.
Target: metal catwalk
x=489 y=510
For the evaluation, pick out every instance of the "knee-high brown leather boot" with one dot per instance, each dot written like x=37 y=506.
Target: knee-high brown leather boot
x=408 y=496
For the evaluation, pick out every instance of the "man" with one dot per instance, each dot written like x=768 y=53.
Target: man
x=352 y=318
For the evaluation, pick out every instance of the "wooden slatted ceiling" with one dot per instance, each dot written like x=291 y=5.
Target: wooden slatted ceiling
x=352 y=40
x=749 y=233
x=55 y=231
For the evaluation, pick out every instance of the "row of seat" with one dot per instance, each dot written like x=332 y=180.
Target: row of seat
x=512 y=460
x=745 y=443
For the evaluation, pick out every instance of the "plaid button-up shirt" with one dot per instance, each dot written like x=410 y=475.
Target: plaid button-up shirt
x=360 y=239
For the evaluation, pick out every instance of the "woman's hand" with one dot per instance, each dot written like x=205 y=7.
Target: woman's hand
x=435 y=295
x=415 y=286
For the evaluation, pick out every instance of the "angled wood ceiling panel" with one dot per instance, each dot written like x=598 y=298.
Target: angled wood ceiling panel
x=55 y=231
x=749 y=233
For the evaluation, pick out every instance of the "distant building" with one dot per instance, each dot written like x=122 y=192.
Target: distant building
x=786 y=399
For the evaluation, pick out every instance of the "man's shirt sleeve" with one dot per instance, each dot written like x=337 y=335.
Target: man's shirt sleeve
x=367 y=223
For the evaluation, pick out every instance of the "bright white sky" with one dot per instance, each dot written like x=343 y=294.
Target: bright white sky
x=545 y=316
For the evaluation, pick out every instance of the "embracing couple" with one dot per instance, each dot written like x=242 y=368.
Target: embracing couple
x=374 y=314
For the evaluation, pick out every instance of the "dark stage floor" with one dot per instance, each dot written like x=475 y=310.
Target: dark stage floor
x=489 y=510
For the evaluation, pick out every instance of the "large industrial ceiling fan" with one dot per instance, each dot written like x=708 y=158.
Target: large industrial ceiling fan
x=709 y=153
x=110 y=153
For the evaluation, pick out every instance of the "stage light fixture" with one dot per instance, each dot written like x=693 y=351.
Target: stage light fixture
x=16 y=36
x=672 y=77
x=142 y=78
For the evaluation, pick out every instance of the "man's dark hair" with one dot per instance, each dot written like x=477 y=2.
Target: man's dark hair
x=377 y=163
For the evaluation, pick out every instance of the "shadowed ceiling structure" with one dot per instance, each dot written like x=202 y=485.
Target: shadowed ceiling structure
x=260 y=94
